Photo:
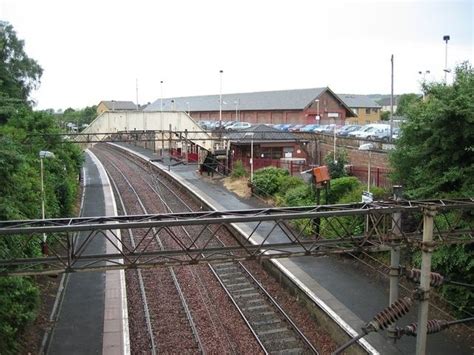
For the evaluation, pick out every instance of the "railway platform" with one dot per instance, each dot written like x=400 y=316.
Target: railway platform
x=91 y=316
x=340 y=285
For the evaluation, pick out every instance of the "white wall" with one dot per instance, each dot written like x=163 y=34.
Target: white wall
x=114 y=121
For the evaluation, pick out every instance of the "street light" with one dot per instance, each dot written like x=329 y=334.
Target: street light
x=44 y=154
x=220 y=99
x=250 y=134
x=317 y=110
x=236 y=102
x=446 y=70
x=161 y=97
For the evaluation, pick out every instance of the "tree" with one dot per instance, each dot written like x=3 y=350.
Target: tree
x=385 y=116
x=19 y=74
x=404 y=103
x=435 y=158
x=434 y=155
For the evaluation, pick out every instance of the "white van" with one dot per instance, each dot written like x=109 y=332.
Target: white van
x=374 y=130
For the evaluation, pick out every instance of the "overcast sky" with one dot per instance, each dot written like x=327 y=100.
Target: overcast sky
x=94 y=50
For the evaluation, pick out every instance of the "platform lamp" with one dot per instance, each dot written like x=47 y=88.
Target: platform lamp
x=367 y=196
x=220 y=99
x=250 y=134
x=446 y=70
x=318 y=117
x=44 y=154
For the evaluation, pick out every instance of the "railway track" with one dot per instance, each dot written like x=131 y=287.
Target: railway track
x=273 y=329
x=171 y=307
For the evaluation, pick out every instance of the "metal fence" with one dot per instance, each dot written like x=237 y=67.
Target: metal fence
x=379 y=177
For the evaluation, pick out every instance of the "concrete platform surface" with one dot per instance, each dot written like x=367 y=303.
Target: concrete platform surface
x=92 y=315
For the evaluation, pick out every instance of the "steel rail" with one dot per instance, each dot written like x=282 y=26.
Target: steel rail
x=168 y=208
x=173 y=274
x=140 y=277
x=247 y=272
x=283 y=313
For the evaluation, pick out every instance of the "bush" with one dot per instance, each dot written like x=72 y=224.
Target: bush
x=336 y=168
x=267 y=181
x=19 y=299
x=341 y=187
x=301 y=195
x=289 y=182
x=239 y=170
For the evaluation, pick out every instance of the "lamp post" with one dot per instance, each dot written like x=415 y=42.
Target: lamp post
x=161 y=97
x=44 y=154
x=318 y=117
x=220 y=99
x=446 y=70
x=250 y=134
x=236 y=102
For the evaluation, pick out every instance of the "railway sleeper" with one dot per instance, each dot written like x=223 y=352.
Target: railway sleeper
x=242 y=284
x=246 y=295
x=240 y=290
x=257 y=307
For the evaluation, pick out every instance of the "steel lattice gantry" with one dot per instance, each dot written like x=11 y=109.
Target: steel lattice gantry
x=322 y=230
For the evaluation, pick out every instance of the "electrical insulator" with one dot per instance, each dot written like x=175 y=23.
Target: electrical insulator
x=433 y=326
x=414 y=275
x=390 y=314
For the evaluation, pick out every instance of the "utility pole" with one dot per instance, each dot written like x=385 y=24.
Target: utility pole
x=220 y=99
x=446 y=70
x=427 y=247
x=395 y=258
x=391 y=104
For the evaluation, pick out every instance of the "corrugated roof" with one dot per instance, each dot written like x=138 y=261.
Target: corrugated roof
x=358 y=101
x=120 y=105
x=263 y=100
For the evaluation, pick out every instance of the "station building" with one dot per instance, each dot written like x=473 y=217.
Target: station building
x=301 y=106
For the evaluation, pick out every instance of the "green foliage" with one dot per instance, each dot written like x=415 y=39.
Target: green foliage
x=77 y=117
x=434 y=156
x=21 y=139
x=434 y=159
x=341 y=187
x=19 y=299
x=290 y=182
x=405 y=102
x=301 y=195
x=238 y=171
x=267 y=181
x=385 y=116
x=336 y=168
x=19 y=74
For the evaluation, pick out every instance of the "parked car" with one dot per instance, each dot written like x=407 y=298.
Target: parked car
x=377 y=131
x=345 y=130
x=283 y=126
x=296 y=128
x=320 y=128
x=365 y=131
x=396 y=133
x=309 y=128
x=238 y=126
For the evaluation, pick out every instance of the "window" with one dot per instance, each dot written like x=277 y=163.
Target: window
x=367 y=111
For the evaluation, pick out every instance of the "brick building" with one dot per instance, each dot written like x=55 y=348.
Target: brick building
x=301 y=106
